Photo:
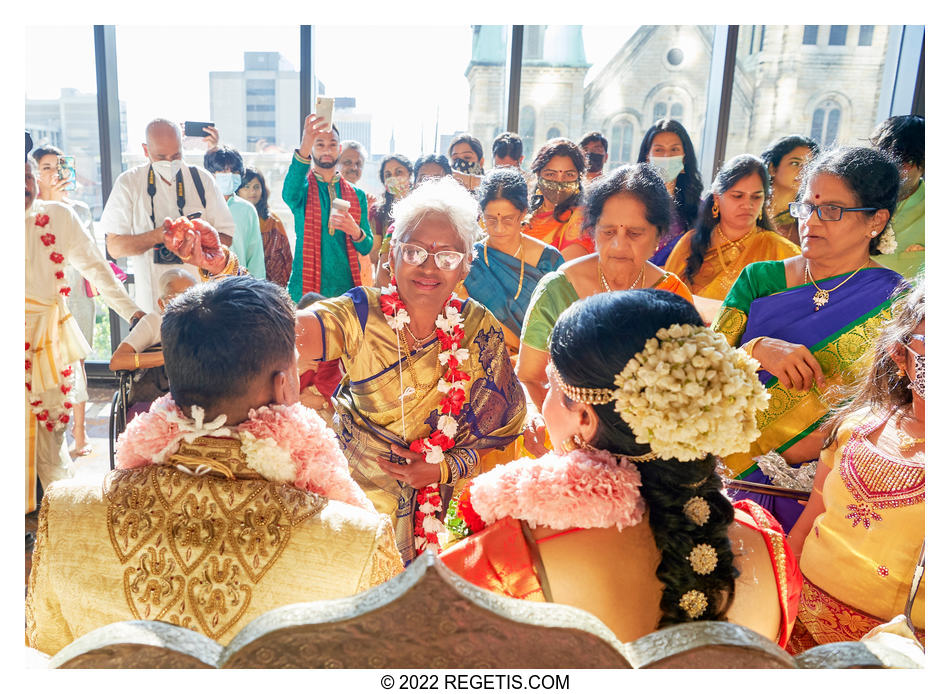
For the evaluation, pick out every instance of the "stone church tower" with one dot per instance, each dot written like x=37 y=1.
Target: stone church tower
x=552 y=84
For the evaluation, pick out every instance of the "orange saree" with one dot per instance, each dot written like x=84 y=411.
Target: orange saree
x=503 y=558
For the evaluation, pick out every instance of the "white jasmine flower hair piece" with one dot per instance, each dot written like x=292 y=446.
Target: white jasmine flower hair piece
x=689 y=394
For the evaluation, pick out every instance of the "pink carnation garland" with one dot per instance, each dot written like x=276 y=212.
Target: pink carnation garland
x=580 y=489
x=292 y=431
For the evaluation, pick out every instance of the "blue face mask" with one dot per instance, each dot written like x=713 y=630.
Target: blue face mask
x=669 y=167
x=227 y=183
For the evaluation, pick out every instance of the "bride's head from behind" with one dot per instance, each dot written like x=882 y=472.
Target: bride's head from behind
x=636 y=373
x=591 y=344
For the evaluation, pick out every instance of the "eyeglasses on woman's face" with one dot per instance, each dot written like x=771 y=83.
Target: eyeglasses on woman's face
x=826 y=213
x=416 y=255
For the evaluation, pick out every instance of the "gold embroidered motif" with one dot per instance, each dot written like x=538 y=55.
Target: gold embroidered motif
x=877 y=482
x=731 y=322
x=194 y=545
x=778 y=548
x=840 y=361
x=133 y=516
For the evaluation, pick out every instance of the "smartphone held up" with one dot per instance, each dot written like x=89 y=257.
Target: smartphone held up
x=66 y=170
x=323 y=108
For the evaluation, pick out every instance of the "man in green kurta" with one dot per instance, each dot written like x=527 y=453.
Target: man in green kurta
x=903 y=138
x=342 y=235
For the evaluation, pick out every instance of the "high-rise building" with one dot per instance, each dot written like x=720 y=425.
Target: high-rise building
x=260 y=103
x=71 y=123
x=353 y=124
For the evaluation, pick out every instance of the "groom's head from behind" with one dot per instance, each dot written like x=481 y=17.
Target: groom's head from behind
x=229 y=347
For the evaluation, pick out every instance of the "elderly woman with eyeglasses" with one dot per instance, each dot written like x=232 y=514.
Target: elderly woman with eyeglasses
x=428 y=381
x=810 y=319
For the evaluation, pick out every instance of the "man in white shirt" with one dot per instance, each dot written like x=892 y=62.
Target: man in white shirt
x=144 y=196
x=54 y=237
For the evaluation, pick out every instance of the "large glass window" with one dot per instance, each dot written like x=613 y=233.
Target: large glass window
x=831 y=94
x=388 y=109
x=615 y=80
x=246 y=80
x=62 y=111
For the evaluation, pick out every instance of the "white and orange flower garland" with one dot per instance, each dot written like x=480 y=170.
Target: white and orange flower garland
x=450 y=332
x=54 y=415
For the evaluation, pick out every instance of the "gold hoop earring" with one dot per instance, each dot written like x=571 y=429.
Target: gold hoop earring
x=715 y=209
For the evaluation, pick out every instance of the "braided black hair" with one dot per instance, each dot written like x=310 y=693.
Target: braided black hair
x=591 y=342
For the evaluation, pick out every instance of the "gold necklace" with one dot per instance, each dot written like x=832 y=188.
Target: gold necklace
x=412 y=366
x=424 y=339
x=733 y=248
x=822 y=296
x=638 y=280
x=521 y=275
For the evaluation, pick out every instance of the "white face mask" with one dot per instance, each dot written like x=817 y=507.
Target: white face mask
x=166 y=169
x=669 y=167
x=227 y=182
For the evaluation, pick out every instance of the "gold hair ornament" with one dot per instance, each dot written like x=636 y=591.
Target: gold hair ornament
x=693 y=603
x=697 y=510
x=588 y=396
x=703 y=559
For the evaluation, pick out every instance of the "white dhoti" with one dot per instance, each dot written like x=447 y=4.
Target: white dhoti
x=55 y=343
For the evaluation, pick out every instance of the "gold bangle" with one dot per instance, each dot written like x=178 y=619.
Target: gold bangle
x=749 y=346
x=443 y=472
x=136 y=360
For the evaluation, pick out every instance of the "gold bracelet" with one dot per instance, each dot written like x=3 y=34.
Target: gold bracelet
x=749 y=347
x=443 y=472
x=136 y=360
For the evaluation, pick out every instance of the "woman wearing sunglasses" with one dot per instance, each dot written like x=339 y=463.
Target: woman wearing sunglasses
x=428 y=380
x=811 y=319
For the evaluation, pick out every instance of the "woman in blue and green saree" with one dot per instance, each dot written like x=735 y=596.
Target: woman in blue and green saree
x=508 y=263
x=810 y=320
x=428 y=383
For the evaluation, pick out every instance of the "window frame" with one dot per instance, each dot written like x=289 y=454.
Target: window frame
x=901 y=92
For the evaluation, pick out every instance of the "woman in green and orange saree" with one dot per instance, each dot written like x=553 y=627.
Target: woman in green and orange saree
x=810 y=319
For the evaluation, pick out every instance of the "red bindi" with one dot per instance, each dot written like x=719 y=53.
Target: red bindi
x=817 y=197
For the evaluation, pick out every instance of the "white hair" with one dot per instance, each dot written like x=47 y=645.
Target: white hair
x=166 y=279
x=439 y=196
x=353 y=144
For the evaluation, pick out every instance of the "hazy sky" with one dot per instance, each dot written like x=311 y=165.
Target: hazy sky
x=401 y=75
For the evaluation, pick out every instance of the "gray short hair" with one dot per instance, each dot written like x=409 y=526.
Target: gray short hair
x=353 y=144
x=164 y=282
x=439 y=196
